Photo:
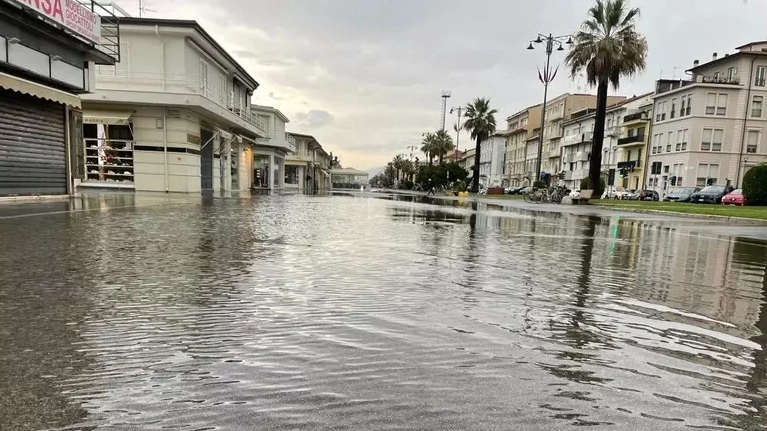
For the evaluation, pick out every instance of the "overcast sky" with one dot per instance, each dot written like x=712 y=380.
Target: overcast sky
x=365 y=76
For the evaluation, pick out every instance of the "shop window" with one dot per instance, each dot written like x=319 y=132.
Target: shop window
x=108 y=153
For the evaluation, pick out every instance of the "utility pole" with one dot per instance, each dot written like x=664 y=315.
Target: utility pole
x=445 y=96
x=457 y=125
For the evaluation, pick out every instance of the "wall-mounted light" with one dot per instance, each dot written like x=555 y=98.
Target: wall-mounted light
x=56 y=58
x=159 y=123
x=13 y=40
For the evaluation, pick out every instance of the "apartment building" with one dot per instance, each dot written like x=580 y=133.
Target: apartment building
x=47 y=56
x=174 y=115
x=710 y=129
x=492 y=160
x=559 y=110
x=519 y=128
x=633 y=144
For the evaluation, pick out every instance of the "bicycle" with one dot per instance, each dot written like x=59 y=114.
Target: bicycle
x=536 y=196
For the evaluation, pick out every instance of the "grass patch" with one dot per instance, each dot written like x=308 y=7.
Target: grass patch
x=503 y=197
x=759 y=213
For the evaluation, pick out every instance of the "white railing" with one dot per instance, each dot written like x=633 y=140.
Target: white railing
x=111 y=78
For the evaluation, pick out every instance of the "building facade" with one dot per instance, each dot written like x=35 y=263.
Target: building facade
x=492 y=160
x=174 y=115
x=633 y=146
x=520 y=127
x=47 y=59
x=308 y=169
x=710 y=129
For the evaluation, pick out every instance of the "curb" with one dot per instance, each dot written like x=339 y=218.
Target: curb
x=743 y=220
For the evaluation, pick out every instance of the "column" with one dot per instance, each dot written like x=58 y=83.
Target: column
x=271 y=172
x=282 y=173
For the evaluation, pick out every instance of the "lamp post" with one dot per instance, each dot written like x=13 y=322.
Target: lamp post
x=458 y=110
x=546 y=78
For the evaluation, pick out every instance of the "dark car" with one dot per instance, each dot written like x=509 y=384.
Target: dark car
x=709 y=195
x=645 y=195
x=513 y=190
x=681 y=194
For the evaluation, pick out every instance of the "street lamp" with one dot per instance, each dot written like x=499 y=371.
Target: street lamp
x=458 y=125
x=546 y=78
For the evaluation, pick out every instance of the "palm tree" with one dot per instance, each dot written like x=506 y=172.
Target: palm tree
x=443 y=144
x=480 y=122
x=607 y=48
x=399 y=164
x=427 y=147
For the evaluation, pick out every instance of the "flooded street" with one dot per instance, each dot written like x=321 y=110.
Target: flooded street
x=373 y=313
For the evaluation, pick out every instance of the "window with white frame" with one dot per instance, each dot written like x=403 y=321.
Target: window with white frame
x=756 y=106
x=684 y=139
x=673 y=108
x=677 y=171
x=752 y=141
x=708 y=173
x=682 y=108
x=716 y=104
x=760 y=75
x=669 y=141
x=678 y=141
x=689 y=105
x=731 y=72
x=204 y=86
x=711 y=140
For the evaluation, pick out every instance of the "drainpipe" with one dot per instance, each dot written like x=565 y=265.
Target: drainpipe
x=70 y=190
x=162 y=53
x=646 y=160
x=745 y=120
x=165 y=144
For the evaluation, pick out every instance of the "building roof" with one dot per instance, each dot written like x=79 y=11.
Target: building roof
x=196 y=26
x=522 y=111
x=611 y=108
x=271 y=109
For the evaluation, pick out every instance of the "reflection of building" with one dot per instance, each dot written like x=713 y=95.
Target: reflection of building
x=174 y=114
x=46 y=60
x=710 y=129
x=348 y=178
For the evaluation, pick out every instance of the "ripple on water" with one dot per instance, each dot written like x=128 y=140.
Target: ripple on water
x=294 y=312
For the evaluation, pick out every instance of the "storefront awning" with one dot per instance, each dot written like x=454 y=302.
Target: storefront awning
x=119 y=118
x=10 y=82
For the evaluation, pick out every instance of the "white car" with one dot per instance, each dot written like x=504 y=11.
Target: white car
x=575 y=194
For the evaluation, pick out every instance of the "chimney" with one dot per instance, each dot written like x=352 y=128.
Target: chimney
x=715 y=56
x=696 y=63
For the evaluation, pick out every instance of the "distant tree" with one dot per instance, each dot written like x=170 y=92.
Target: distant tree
x=428 y=147
x=480 y=122
x=607 y=48
x=443 y=145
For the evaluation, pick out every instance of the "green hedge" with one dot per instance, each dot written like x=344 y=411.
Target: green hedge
x=586 y=185
x=755 y=185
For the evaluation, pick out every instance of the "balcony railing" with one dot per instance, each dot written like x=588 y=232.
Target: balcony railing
x=637 y=116
x=578 y=138
x=112 y=78
x=631 y=139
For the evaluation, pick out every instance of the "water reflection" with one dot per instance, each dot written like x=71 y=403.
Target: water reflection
x=303 y=312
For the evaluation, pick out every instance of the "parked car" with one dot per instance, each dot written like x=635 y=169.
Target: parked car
x=709 y=195
x=575 y=193
x=525 y=191
x=513 y=190
x=680 y=194
x=648 y=195
x=625 y=194
x=734 y=198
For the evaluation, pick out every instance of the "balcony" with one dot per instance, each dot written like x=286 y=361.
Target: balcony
x=719 y=80
x=628 y=140
x=578 y=138
x=630 y=164
x=636 y=117
x=172 y=89
x=555 y=115
x=554 y=152
x=283 y=140
x=581 y=156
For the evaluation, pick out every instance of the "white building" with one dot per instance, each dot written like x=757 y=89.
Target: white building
x=579 y=136
x=710 y=129
x=492 y=160
x=175 y=115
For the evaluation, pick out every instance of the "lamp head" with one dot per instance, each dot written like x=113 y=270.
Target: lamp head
x=570 y=40
x=560 y=48
x=530 y=46
x=539 y=40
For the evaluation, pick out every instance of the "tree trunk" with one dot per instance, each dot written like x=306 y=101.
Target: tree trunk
x=431 y=159
x=475 y=177
x=440 y=158
x=595 y=167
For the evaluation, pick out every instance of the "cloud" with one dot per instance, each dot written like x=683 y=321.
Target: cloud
x=379 y=65
x=313 y=119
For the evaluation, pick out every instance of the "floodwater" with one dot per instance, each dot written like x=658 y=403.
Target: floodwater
x=376 y=313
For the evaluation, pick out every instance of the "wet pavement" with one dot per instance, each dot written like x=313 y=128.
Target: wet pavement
x=123 y=312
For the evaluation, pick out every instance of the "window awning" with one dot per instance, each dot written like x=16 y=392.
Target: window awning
x=10 y=82
x=114 y=118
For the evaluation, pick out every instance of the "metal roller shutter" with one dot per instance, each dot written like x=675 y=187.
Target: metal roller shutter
x=32 y=146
